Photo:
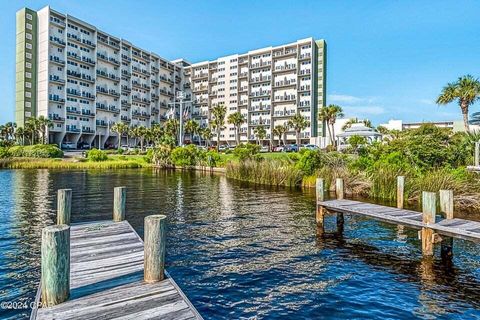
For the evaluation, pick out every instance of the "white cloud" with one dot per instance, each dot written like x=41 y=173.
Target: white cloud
x=344 y=98
x=427 y=101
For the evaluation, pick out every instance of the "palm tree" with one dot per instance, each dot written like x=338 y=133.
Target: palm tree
x=260 y=133
x=156 y=133
x=134 y=133
x=120 y=129
x=218 y=121
x=171 y=128
x=44 y=124
x=192 y=127
x=280 y=132
x=466 y=90
x=298 y=123
x=142 y=133
x=20 y=135
x=329 y=115
x=206 y=134
x=31 y=125
x=237 y=119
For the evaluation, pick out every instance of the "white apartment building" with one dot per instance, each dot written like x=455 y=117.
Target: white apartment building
x=85 y=80
x=267 y=86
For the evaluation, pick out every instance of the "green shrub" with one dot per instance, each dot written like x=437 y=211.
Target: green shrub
x=248 y=151
x=149 y=156
x=211 y=158
x=97 y=155
x=4 y=153
x=36 y=151
x=185 y=156
x=309 y=162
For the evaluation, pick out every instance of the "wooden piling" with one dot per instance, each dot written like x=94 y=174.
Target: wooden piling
x=339 y=189
x=446 y=207
x=400 y=191
x=429 y=207
x=55 y=265
x=154 y=256
x=320 y=213
x=119 y=200
x=64 y=206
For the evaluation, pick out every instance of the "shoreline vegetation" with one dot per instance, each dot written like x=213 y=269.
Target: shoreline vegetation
x=430 y=158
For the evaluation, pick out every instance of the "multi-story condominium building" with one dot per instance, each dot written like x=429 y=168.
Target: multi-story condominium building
x=267 y=86
x=85 y=80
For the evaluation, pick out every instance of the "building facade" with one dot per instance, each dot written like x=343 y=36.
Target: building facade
x=85 y=80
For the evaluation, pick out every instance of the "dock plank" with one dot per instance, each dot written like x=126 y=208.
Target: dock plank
x=457 y=228
x=106 y=279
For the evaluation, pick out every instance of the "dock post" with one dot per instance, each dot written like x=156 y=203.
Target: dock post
x=319 y=190
x=477 y=154
x=446 y=206
x=55 y=260
x=154 y=256
x=64 y=206
x=339 y=189
x=400 y=191
x=429 y=206
x=119 y=200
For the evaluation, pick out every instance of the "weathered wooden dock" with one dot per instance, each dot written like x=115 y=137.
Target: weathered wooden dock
x=434 y=228
x=107 y=279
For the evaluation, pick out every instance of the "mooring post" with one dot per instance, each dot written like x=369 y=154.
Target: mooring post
x=400 y=191
x=64 y=206
x=429 y=206
x=154 y=248
x=339 y=190
x=477 y=154
x=319 y=190
x=119 y=200
x=446 y=206
x=55 y=260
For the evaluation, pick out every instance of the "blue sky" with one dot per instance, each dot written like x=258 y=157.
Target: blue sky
x=386 y=59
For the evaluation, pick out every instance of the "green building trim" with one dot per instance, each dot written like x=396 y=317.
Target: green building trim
x=26 y=64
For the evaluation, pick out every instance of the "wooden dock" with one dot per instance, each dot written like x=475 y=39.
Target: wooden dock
x=457 y=228
x=107 y=279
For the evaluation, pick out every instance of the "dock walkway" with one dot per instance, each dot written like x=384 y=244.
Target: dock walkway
x=456 y=228
x=107 y=279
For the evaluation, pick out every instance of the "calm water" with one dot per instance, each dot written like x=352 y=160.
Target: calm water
x=245 y=253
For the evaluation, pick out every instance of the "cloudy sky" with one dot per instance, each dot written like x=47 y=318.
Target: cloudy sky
x=386 y=59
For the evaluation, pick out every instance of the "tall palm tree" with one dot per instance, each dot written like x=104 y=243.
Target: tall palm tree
x=10 y=130
x=280 y=131
x=218 y=121
x=142 y=133
x=329 y=115
x=120 y=129
x=20 y=135
x=134 y=133
x=466 y=90
x=260 y=133
x=206 y=134
x=192 y=127
x=298 y=123
x=157 y=133
x=44 y=124
x=237 y=119
x=171 y=127
x=32 y=125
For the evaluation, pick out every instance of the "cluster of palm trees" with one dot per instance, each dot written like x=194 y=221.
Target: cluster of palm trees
x=34 y=131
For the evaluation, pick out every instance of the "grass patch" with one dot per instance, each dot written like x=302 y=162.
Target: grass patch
x=32 y=163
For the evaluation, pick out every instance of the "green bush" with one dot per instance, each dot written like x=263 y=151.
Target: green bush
x=185 y=156
x=36 y=151
x=309 y=162
x=247 y=151
x=4 y=152
x=211 y=158
x=149 y=156
x=97 y=155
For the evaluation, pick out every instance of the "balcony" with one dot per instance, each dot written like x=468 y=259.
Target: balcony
x=56 y=117
x=57 y=21
x=87 y=113
x=105 y=90
x=55 y=98
x=111 y=60
x=285 y=83
x=57 y=41
x=261 y=93
x=55 y=78
x=261 y=78
x=57 y=60
x=101 y=123
x=304 y=72
x=73 y=110
x=285 y=98
x=260 y=64
x=285 y=68
x=73 y=129
x=304 y=88
x=87 y=130
x=305 y=56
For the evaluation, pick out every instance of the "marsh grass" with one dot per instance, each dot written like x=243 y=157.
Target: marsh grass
x=31 y=163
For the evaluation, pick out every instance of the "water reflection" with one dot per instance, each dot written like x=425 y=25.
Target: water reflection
x=241 y=252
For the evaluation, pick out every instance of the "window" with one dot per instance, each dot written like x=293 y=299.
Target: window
x=28 y=36
x=28 y=65
x=28 y=75
x=28 y=55
x=29 y=26
x=28 y=85
x=29 y=16
x=28 y=104
x=28 y=94
x=28 y=46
